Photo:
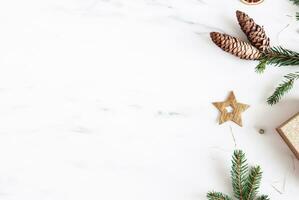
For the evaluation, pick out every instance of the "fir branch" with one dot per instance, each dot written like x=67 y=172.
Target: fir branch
x=280 y=56
x=253 y=183
x=283 y=88
x=296 y=2
x=260 y=68
x=239 y=173
x=245 y=185
x=217 y=196
x=263 y=197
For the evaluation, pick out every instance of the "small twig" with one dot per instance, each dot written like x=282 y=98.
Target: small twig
x=234 y=139
x=279 y=33
x=277 y=190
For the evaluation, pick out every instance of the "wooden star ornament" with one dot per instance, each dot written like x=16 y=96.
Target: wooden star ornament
x=236 y=110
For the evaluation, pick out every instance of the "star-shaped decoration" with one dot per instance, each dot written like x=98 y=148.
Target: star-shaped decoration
x=231 y=115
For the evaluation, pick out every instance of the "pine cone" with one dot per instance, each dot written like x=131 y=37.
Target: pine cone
x=254 y=32
x=252 y=2
x=235 y=46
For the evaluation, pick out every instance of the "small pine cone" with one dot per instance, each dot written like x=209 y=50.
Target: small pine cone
x=254 y=32
x=235 y=46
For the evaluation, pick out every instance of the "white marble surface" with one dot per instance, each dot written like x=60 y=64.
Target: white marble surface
x=111 y=99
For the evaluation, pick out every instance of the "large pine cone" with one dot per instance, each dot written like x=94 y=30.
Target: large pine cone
x=254 y=32
x=235 y=46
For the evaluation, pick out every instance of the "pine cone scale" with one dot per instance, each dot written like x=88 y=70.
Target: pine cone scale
x=254 y=32
x=235 y=46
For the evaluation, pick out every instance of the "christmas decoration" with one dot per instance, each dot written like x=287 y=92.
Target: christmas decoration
x=236 y=47
x=233 y=115
x=245 y=181
x=277 y=56
x=289 y=131
x=254 y=32
x=252 y=2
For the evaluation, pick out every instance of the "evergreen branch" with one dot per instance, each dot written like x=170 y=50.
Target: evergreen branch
x=217 y=196
x=245 y=185
x=239 y=173
x=253 y=183
x=260 y=68
x=296 y=2
x=263 y=197
x=280 y=56
x=283 y=88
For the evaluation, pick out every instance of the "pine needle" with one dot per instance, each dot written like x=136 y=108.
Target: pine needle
x=260 y=68
x=245 y=185
x=239 y=173
x=296 y=2
x=263 y=197
x=253 y=183
x=217 y=196
x=280 y=56
x=283 y=88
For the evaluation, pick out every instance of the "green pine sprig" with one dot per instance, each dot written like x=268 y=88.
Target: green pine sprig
x=245 y=183
x=296 y=2
x=263 y=197
x=279 y=56
x=283 y=88
x=217 y=196
x=261 y=67
x=253 y=183
x=239 y=173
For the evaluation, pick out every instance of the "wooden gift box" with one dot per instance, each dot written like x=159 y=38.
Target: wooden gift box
x=289 y=131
